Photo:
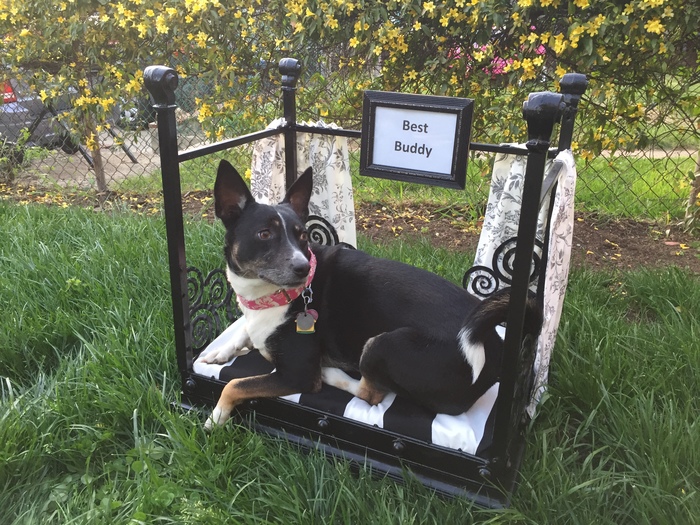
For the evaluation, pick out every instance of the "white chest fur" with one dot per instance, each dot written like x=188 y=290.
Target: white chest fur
x=262 y=323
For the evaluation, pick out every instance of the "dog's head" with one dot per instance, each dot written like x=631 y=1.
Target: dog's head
x=269 y=243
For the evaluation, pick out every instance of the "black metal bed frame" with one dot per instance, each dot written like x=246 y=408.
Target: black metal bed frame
x=487 y=478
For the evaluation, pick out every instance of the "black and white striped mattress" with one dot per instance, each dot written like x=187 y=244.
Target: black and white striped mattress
x=468 y=432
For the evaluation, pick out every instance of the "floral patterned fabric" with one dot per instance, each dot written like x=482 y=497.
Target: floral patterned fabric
x=328 y=155
x=501 y=223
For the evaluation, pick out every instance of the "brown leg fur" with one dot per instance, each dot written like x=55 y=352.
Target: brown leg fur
x=238 y=390
x=370 y=393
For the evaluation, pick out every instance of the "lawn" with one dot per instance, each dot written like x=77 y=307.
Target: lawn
x=88 y=375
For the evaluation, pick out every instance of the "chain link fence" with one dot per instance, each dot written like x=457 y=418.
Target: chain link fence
x=37 y=151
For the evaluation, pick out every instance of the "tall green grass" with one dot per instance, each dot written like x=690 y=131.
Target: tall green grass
x=88 y=433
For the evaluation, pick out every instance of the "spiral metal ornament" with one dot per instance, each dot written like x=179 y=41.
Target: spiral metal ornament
x=321 y=231
x=212 y=307
x=217 y=286
x=195 y=286
x=484 y=281
x=504 y=260
x=205 y=326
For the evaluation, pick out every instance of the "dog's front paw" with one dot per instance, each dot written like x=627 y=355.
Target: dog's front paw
x=223 y=355
x=217 y=418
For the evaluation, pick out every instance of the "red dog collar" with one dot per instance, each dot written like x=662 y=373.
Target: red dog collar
x=280 y=297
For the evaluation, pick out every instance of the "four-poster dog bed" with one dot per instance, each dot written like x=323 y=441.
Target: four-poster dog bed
x=525 y=245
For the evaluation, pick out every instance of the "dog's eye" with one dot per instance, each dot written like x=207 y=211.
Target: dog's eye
x=264 y=235
x=303 y=236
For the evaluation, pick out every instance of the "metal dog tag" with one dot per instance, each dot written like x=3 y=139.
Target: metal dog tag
x=306 y=322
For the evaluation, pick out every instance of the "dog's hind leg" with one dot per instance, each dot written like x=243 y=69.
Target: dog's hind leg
x=361 y=388
x=339 y=379
x=429 y=371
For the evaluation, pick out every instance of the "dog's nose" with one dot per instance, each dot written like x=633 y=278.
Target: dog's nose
x=301 y=268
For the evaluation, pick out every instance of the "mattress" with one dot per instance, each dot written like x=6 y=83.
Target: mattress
x=468 y=432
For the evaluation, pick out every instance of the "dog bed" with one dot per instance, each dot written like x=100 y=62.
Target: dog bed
x=464 y=432
x=476 y=454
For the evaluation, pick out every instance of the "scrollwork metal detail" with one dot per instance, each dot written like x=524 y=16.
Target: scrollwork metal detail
x=212 y=307
x=484 y=281
x=321 y=231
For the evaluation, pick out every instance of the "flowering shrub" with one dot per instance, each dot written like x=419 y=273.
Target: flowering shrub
x=640 y=55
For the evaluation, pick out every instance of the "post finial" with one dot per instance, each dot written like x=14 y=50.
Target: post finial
x=542 y=111
x=161 y=82
x=290 y=68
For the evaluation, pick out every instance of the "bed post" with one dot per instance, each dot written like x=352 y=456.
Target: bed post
x=161 y=82
x=541 y=111
x=289 y=69
x=572 y=86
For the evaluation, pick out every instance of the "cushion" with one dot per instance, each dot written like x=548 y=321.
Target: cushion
x=464 y=432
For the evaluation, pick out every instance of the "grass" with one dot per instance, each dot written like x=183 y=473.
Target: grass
x=635 y=187
x=87 y=433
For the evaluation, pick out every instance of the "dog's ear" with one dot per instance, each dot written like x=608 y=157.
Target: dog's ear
x=299 y=194
x=231 y=195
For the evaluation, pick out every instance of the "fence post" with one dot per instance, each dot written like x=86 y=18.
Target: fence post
x=161 y=82
x=289 y=69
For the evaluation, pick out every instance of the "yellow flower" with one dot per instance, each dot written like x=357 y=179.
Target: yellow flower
x=353 y=42
x=559 y=44
x=201 y=39
x=575 y=36
x=417 y=25
x=583 y=4
x=429 y=7
x=161 y=25
x=654 y=26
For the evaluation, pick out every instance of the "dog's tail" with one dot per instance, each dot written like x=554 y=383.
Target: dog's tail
x=479 y=326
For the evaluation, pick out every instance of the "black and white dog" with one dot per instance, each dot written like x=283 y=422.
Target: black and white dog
x=315 y=312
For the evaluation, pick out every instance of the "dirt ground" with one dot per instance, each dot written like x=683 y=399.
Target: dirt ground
x=598 y=243
x=612 y=244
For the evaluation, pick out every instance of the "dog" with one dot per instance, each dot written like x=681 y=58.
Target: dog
x=317 y=312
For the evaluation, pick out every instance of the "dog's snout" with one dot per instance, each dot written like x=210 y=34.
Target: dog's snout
x=301 y=267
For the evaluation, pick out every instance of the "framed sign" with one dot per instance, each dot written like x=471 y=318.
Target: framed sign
x=416 y=138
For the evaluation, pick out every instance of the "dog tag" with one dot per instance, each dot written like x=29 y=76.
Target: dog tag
x=306 y=322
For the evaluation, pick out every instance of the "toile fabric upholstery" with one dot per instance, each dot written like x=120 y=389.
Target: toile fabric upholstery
x=328 y=156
